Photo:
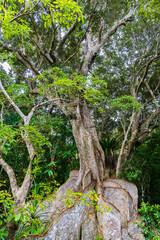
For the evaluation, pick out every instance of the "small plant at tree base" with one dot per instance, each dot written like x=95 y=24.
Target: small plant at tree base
x=6 y=206
x=27 y=217
x=98 y=237
x=89 y=199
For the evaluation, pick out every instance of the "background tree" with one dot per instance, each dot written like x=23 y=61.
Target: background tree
x=140 y=55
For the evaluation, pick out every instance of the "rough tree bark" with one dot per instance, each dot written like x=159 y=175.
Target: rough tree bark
x=85 y=135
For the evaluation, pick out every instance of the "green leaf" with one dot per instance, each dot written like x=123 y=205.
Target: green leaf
x=17 y=217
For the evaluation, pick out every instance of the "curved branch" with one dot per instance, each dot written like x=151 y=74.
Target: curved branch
x=119 y=23
x=146 y=71
x=24 y=59
x=11 y=101
x=94 y=47
x=145 y=126
x=11 y=175
x=152 y=94
x=71 y=29
x=45 y=55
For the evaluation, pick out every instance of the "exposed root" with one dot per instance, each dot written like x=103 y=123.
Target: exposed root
x=77 y=222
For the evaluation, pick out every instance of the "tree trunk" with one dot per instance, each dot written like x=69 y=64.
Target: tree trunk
x=127 y=145
x=11 y=228
x=90 y=152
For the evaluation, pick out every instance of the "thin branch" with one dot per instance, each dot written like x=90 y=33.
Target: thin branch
x=123 y=125
x=4 y=3
x=27 y=62
x=78 y=44
x=12 y=102
x=104 y=119
x=150 y=100
x=34 y=28
x=119 y=137
x=140 y=59
x=70 y=30
x=29 y=116
x=45 y=55
x=102 y=22
x=152 y=94
x=2 y=146
x=149 y=120
x=52 y=42
x=71 y=56
x=23 y=59
x=28 y=81
x=19 y=15
x=27 y=181
x=2 y=114
x=11 y=175
x=101 y=30
x=146 y=70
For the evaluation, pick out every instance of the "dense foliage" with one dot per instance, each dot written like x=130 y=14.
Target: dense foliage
x=150 y=221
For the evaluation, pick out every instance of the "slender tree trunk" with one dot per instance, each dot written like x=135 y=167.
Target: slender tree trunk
x=127 y=145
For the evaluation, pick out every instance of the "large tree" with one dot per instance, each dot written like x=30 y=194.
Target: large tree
x=53 y=52
x=51 y=49
x=39 y=41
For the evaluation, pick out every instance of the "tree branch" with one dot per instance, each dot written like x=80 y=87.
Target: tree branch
x=152 y=94
x=2 y=113
x=2 y=146
x=78 y=44
x=146 y=70
x=119 y=23
x=12 y=102
x=52 y=42
x=29 y=116
x=11 y=175
x=45 y=55
x=145 y=126
x=23 y=58
x=70 y=30
x=94 y=47
x=19 y=15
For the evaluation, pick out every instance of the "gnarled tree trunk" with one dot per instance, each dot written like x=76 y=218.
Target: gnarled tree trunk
x=90 y=152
